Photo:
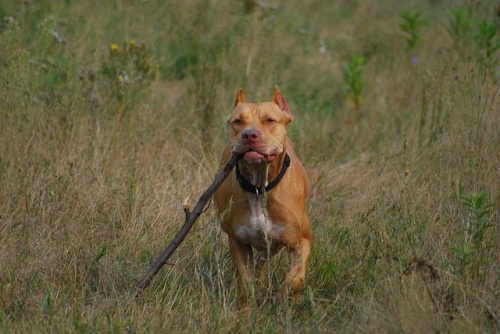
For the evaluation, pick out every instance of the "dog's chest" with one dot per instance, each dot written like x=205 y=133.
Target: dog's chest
x=259 y=230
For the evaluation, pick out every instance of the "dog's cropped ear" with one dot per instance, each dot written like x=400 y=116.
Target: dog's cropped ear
x=279 y=99
x=240 y=97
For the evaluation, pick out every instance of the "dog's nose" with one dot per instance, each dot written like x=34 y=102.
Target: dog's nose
x=250 y=135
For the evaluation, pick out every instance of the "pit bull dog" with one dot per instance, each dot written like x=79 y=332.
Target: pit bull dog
x=262 y=204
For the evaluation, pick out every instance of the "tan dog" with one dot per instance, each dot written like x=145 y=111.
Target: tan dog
x=262 y=204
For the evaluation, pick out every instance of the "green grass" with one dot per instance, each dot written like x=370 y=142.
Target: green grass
x=100 y=147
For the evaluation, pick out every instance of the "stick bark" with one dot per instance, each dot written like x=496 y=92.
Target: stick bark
x=191 y=217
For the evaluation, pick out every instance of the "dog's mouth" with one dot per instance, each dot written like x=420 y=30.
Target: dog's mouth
x=253 y=157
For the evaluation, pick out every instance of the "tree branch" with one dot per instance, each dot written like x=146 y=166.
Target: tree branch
x=191 y=217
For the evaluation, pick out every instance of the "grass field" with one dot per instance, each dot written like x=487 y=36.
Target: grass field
x=112 y=113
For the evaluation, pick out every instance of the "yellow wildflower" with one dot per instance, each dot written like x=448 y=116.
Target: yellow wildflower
x=113 y=47
x=407 y=171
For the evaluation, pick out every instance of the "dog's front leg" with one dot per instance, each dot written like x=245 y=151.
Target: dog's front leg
x=242 y=255
x=299 y=255
x=262 y=259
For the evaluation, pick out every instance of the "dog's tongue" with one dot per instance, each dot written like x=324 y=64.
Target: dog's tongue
x=254 y=157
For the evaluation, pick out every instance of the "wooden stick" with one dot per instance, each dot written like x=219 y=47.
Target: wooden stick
x=191 y=218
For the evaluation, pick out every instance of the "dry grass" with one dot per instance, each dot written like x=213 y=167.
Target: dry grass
x=95 y=164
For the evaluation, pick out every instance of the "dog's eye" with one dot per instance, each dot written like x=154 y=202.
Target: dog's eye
x=270 y=120
x=237 y=121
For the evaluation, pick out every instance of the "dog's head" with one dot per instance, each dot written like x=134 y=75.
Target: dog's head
x=257 y=131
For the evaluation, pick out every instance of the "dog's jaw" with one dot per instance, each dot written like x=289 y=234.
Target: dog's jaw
x=253 y=157
x=257 y=157
x=256 y=153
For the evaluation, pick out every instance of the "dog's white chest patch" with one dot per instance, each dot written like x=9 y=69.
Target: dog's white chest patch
x=260 y=230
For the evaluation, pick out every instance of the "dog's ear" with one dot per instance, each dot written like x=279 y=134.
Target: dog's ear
x=279 y=99
x=240 y=97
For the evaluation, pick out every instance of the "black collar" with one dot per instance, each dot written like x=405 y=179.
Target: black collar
x=247 y=186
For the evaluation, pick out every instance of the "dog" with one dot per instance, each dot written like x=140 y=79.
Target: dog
x=262 y=203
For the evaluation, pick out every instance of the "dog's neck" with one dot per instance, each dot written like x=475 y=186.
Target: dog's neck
x=260 y=175
x=254 y=174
